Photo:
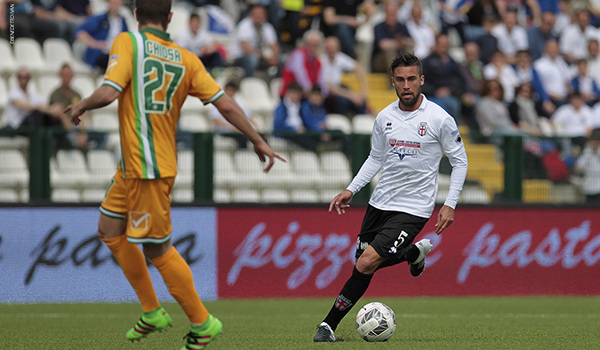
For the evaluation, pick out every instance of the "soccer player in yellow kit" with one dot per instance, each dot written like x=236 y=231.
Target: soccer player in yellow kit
x=152 y=77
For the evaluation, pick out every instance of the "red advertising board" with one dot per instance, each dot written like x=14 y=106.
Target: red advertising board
x=308 y=252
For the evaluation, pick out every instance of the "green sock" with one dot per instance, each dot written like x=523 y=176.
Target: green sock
x=151 y=314
x=201 y=327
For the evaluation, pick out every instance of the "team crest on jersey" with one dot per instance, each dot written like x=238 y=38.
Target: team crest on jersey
x=422 y=128
x=392 y=142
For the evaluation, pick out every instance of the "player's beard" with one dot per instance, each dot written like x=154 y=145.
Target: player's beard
x=410 y=103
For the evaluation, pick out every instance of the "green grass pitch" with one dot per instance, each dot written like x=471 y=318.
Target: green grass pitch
x=423 y=323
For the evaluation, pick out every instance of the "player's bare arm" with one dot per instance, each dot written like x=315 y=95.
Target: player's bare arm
x=103 y=96
x=340 y=202
x=234 y=114
x=445 y=218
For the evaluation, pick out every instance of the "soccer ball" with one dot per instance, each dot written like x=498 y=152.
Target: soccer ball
x=376 y=322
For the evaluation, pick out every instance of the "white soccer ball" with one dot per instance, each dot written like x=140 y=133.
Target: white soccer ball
x=376 y=322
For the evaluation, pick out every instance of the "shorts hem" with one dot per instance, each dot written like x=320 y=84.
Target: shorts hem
x=111 y=214
x=145 y=240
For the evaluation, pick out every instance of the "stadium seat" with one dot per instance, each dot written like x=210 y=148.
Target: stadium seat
x=179 y=20
x=245 y=195
x=304 y=196
x=257 y=96
x=474 y=194
x=363 y=124
x=8 y=63
x=327 y=195
x=275 y=86
x=102 y=165
x=224 y=170
x=183 y=195
x=307 y=172
x=193 y=122
x=13 y=169
x=249 y=170
x=104 y=121
x=8 y=195
x=221 y=195
x=93 y=195
x=223 y=143
x=58 y=52
x=47 y=84
x=185 y=170
x=29 y=53
x=281 y=174
x=275 y=195
x=3 y=98
x=70 y=170
x=336 y=170
x=83 y=84
x=65 y=195
x=339 y=122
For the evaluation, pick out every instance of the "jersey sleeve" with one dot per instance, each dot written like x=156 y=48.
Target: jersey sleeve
x=120 y=63
x=202 y=84
x=455 y=150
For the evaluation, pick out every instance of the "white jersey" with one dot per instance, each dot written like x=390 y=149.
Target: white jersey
x=408 y=147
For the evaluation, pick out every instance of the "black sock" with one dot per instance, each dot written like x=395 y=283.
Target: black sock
x=353 y=290
x=412 y=254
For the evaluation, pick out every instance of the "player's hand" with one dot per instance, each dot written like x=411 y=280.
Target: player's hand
x=445 y=218
x=263 y=151
x=76 y=110
x=340 y=202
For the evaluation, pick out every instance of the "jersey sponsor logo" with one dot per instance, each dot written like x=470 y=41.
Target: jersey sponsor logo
x=422 y=128
x=403 y=143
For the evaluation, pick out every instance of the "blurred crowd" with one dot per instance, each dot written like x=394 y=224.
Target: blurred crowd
x=499 y=67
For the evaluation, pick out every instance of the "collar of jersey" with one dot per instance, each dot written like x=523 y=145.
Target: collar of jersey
x=421 y=107
x=159 y=33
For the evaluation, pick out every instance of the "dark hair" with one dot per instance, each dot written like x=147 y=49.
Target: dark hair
x=405 y=59
x=194 y=15
x=485 y=90
x=233 y=84
x=155 y=11
x=294 y=86
x=316 y=89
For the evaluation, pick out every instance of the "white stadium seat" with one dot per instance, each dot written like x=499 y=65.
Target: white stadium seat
x=65 y=195
x=185 y=170
x=250 y=170
x=224 y=170
x=363 y=124
x=93 y=195
x=304 y=196
x=28 y=52
x=47 y=84
x=339 y=122
x=58 y=52
x=336 y=170
x=70 y=170
x=221 y=195
x=307 y=172
x=257 y=96
x=8 y=63
x=275 y=195
x=104 y=121
x=245 y=195
x=8 y=195
x=181 y=195
x=103 y=166
x=13 y=169
x=193 y=122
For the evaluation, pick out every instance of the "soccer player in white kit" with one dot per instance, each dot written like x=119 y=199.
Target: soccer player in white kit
x=409 y=139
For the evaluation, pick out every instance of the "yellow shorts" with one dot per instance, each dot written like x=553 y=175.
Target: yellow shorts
x=145 y=204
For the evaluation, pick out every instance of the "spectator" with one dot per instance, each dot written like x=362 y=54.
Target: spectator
x=499 y=69
x=256 y=47
x=304 y=67
x=526 y=74
x=391 y=36
x=313 y=110
x=594 y=59
x=288 y=121
x=98 y=33
x=342 y=99
x=551 y=6
x=26 y=22
x=445 y=84
x=588 y=164
x=480 y=10
x=421 y=32
x=574 y=38
x=200 y=43
x=341 y=19
x=64 y=96
x=453 y=15
x=564 y=17
x=538 y=35
x=492 y=114
x=554 y=73
x=574 y=118
x=222 y=126
x=26 y=109
x=524 y=114
x=488 y=43
x=52 y=11
x=584 y=84
x=75 y=10
x=511 y=36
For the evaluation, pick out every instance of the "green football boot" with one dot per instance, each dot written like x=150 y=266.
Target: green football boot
x=146 y=325
x=199 y=339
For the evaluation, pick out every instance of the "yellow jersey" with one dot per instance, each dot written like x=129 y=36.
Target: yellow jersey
x=154 y=76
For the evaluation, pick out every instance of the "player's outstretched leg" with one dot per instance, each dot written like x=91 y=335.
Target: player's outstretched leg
x=200 y=336
x=417 y=266
x=156 y=320
x=324 y=333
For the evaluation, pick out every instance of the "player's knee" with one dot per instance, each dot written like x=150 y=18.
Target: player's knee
x=368 y=263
